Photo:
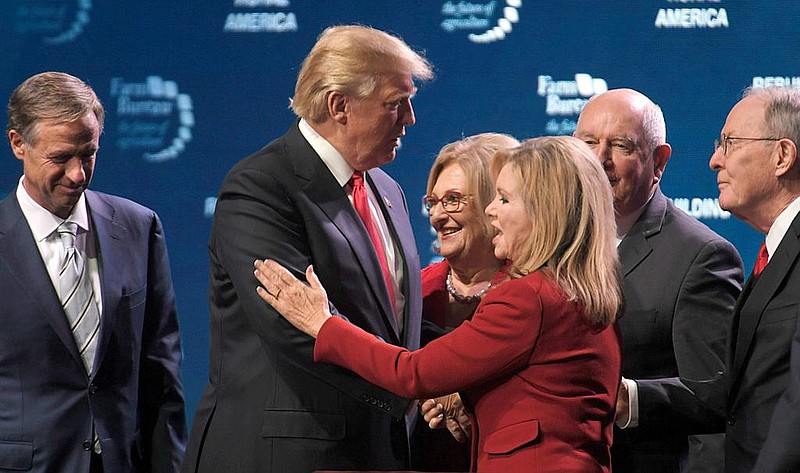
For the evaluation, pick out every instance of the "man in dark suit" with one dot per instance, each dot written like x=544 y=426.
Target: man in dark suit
x=93 y=384
x=268 y=407
x=758 y=175
x=680 y=283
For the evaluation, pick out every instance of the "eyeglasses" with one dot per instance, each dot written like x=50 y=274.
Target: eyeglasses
x=724 y=141
x=451 y=202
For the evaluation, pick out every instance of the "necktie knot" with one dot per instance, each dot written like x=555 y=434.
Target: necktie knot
x=358 y=179
x=67 y=232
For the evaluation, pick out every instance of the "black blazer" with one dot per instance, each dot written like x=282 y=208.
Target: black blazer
x=764 y=402
x=134 y=396
x=268 y=407
x=681 y=281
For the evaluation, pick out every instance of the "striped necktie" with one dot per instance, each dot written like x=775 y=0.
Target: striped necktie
x=77 y=296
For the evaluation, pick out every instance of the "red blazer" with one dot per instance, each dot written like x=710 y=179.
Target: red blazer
x=434 y=292
x=541 y=382
x=437 y=450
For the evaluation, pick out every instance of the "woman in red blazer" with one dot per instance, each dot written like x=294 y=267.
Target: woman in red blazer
x=539 y=362
x=460 y=186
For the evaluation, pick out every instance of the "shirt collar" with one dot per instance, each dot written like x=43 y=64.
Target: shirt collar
x=624 y=223
x=781 y=225
x=332 y=158
x=41 y=221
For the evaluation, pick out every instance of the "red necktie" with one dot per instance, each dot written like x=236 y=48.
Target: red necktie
x=761 y=261
x=361 y=203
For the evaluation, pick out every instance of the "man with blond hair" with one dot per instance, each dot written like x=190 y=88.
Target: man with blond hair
x=315 y=196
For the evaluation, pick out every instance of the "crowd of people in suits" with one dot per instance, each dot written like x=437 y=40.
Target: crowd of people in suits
x=572 y=325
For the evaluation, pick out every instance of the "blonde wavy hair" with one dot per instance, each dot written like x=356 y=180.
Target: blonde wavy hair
x=474 y=155
x=569 y=201
x=351 y=59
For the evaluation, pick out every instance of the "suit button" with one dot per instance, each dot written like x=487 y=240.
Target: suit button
x=388 y=406
x=92 y=388
x=87 y=445
x=731 y=420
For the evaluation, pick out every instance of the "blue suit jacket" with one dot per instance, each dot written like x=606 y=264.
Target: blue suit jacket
x=268 y=407
x=134 y=396
x=764 y=401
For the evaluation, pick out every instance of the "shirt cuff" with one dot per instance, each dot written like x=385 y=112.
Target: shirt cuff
x=633 y=404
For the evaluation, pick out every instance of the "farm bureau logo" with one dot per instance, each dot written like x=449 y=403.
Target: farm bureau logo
x=56 y=22
x=491 y=23
x=152 y=116
x=565 y=99
x=260 y=22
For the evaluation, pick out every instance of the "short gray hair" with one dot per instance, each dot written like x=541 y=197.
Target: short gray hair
x=782 y=113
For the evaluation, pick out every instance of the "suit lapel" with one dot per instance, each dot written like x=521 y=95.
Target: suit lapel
x=634 y=248
x=18 y=251
x=109 y=240
x=323 y=189
x=392 y=213
x=758 y=292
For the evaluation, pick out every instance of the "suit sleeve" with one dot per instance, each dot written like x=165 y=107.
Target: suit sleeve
x=255 y=218
x=780 y=453
x=701 y=324
x=161 y=400
x=498 y=340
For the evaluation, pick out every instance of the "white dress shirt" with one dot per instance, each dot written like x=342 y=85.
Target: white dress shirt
x=44 y=226
x=780 y=226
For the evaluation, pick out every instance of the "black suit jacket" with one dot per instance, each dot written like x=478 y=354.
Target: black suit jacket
x=268 y=407
x=764 y=402
x=681 y=281
x=134 y=396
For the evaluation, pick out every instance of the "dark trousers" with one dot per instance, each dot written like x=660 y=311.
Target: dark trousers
x=96 y=464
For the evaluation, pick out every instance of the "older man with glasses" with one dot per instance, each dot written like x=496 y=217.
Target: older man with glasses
x=759 y=182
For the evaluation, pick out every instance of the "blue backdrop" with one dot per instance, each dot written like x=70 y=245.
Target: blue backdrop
x=192 y=87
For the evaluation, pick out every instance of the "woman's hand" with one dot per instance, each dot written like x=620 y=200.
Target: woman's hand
x=305 y=307
x=448 y=411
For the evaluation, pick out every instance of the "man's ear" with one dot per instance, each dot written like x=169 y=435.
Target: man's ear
x=338 y=107
x=785 y=157
x=660 y=158
x=18 y=145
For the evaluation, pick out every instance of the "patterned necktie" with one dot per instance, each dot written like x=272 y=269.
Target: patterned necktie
x=361 y=203
x=77 y=296
x=761 y=260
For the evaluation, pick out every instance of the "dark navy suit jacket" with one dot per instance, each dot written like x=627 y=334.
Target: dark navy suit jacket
x=134 y=396
x=268 y=407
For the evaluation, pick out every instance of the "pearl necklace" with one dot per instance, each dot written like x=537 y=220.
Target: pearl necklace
x=465 y=299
